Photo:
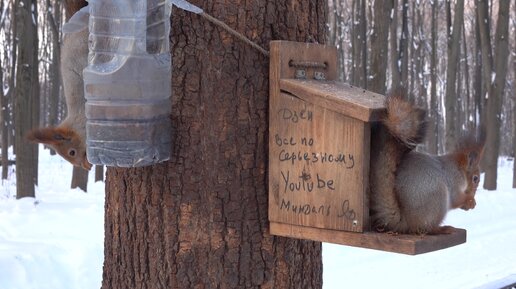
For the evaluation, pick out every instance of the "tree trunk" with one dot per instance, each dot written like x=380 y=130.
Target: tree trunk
x=336 y=35
x=379 y=51
x=359 y=47
x=25 y=82
x=36 y=107
x=200 y=220
x=393 y=42
x=3 y=126
x=79 y=179
x=514 y=131
x=514 y=112
x=434 y=117
x=466 y=97
x=420 y=56
x=496 y=93
x=482 y=13
x=451 y=77
x=99 y=173
x=477 y=83
x=403 y=47
x=55 y=74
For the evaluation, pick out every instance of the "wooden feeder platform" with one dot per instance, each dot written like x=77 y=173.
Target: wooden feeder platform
x=319 y=155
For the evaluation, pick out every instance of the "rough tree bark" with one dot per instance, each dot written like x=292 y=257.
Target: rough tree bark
x=200 y=220
x=496 y=92
x=379 y=45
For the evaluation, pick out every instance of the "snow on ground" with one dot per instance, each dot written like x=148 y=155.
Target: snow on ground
x=56 y=241
x=488 y=255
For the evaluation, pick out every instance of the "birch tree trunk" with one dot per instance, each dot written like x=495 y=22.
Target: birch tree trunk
x=200 y=220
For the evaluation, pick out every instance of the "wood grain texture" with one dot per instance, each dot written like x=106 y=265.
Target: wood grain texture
x=400 y=243
x=319 y=164
x=340 y=97
x=318 y=154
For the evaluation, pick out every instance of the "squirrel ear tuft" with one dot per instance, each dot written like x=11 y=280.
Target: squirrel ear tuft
x=47 y=135
x=473 y=159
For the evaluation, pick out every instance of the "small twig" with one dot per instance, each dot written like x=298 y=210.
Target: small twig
x=234 y=32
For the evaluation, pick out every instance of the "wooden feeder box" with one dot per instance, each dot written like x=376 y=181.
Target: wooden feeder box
x=319 y=147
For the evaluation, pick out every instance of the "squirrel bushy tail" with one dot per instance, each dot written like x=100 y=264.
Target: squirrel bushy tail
x=399 y=132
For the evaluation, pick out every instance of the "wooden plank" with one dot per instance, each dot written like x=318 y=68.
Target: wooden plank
x=337 y=96
x=319 y=166
x=404 y=244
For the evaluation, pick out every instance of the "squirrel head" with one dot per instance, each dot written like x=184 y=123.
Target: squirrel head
x=467 y=156
x=65 y=141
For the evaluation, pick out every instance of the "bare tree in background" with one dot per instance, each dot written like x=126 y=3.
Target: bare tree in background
x=451 y=129
x=496 y=89
x=403 y=47
x=514 y=104
x=393 y=44
x=9 y=68
x=26 y=82
x=337 y=32
x=433 y=127
x=379 y=45
x=35 y=89
x=3 y=111
x=359 y=44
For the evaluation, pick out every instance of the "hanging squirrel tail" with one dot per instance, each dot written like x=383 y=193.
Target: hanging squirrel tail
x=400 y=131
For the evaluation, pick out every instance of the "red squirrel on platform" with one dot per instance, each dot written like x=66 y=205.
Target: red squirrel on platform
x=411 y=192
x=68 y=139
